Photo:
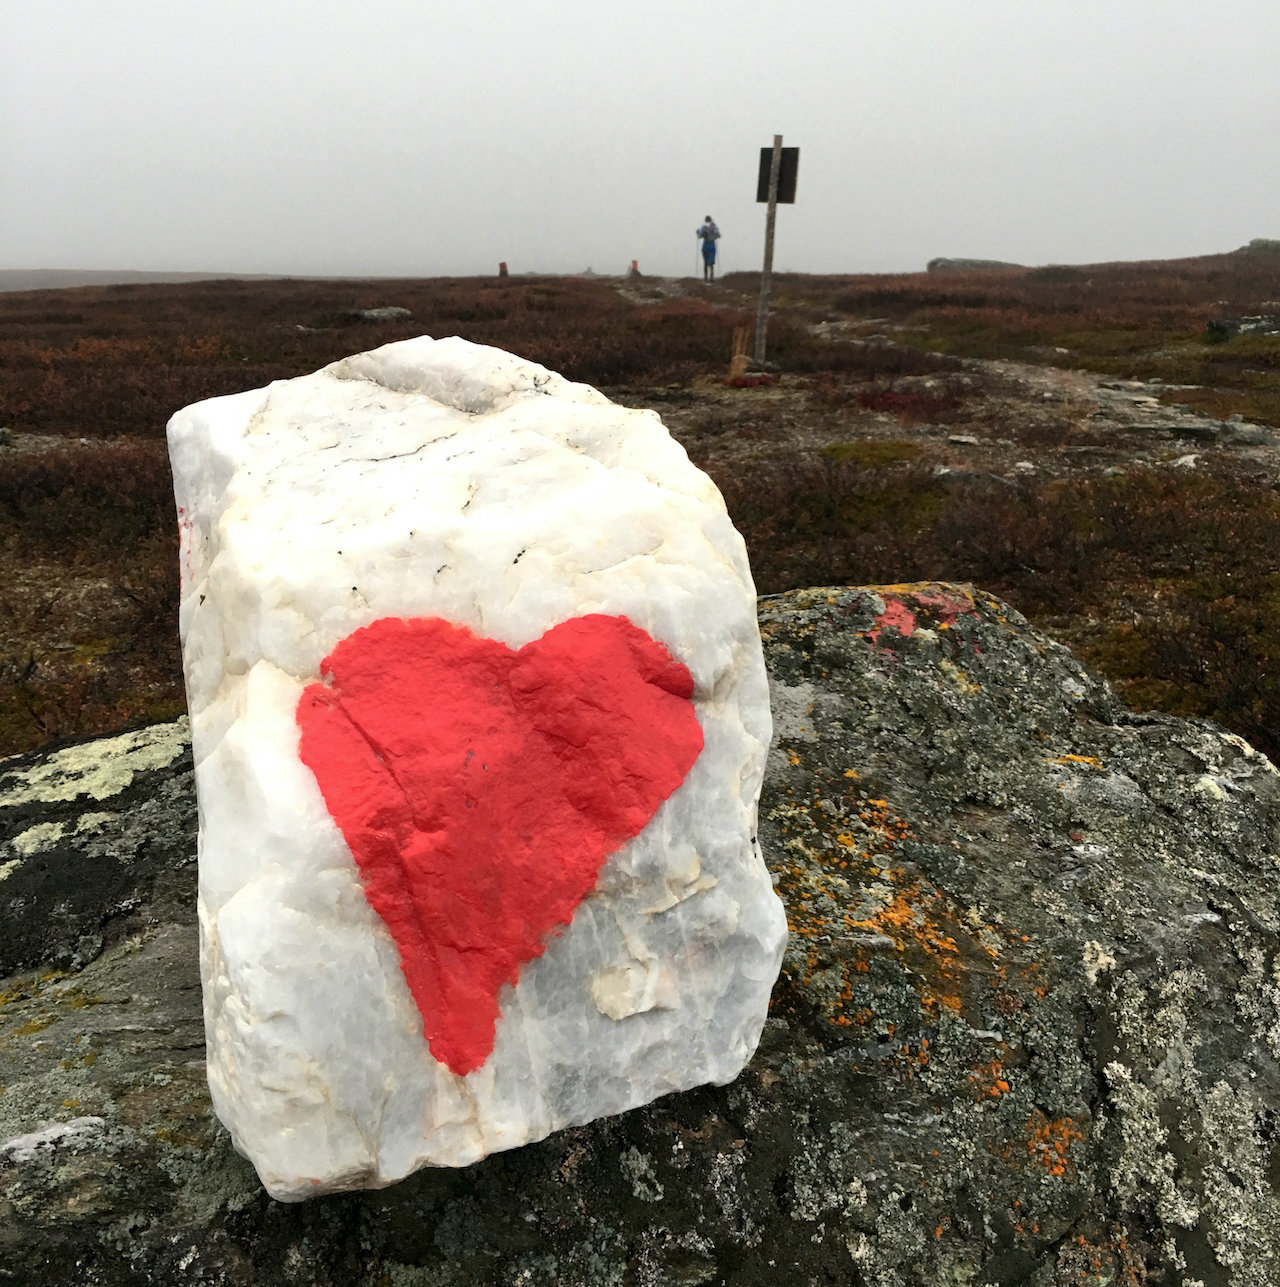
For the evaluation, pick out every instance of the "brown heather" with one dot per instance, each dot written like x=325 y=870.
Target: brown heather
x=1165 y=580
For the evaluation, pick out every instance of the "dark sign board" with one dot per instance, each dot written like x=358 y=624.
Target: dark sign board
x=788 y=164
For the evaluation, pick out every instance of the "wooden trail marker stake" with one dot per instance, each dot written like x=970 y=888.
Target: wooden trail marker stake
x=783 y=165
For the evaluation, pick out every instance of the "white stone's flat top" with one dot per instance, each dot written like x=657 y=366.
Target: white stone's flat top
x=459 y=465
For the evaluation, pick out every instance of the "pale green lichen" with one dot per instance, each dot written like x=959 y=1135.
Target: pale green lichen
x=98 y=769
x=1258 y=998
x=1245 y=1210
x=91 y=822
x=1146 y=1170
x=33 y=839
x=638 y=1167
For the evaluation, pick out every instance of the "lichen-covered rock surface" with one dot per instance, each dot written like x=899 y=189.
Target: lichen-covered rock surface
x=1026 y=1033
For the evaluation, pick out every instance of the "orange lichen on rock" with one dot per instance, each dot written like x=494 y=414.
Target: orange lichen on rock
x=1049 y=1141
x=989 y=1080
x=878 y=818
x=919 y=922
x=1103 y=1258
x=841 y=879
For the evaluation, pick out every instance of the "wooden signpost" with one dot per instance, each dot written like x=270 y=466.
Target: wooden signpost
x=776 y=183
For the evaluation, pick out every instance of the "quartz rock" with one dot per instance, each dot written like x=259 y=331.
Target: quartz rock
x=479 y=717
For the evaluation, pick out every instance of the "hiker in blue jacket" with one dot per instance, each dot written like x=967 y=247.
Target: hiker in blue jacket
x=709 y=234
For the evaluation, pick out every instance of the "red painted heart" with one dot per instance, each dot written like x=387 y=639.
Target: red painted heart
x=481 y=788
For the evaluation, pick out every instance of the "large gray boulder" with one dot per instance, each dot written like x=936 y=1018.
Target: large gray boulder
x=1220 y=329
x=1027 y=1029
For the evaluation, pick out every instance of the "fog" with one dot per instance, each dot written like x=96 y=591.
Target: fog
x=406 y=137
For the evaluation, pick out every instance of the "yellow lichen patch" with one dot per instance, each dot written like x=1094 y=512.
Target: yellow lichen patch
x=75 y=999
x=101 y=768
x=928 y=592
x=191 y=1137
x=32 y=1026
x=1090 y=761
x=958 y=678
x=17 y=992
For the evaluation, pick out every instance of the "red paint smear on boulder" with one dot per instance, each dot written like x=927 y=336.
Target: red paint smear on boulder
x=945 y=606
x=480 y=789
x=896 y=616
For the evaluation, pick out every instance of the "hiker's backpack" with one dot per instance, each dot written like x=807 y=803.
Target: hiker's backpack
x=710 y=232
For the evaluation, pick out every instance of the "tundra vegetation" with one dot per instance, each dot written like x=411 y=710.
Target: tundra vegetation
x=983 y=427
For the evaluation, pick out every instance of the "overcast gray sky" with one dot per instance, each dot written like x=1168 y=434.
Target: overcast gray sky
x=424 y=138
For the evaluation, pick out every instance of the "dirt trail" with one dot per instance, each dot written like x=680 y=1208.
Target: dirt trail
x=1006 y=418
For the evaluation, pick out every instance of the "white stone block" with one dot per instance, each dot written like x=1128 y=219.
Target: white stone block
x=414 y=567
